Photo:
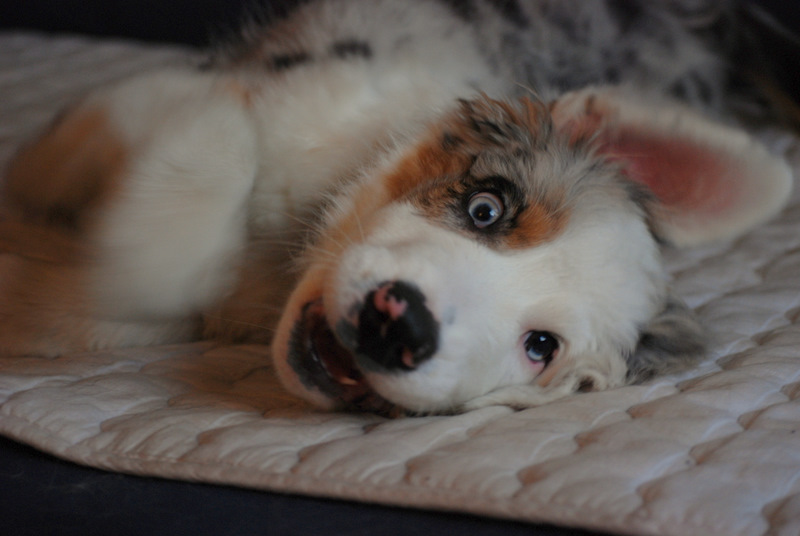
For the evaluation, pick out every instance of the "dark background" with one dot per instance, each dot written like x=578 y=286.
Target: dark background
x=40 y=495
x=177 y=21
x=43 y=496
x=197 y=22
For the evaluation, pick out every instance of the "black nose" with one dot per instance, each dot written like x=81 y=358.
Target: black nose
x=395 y=328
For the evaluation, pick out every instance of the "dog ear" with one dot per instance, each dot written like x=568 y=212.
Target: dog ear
x=673 y=341
x=709 y=181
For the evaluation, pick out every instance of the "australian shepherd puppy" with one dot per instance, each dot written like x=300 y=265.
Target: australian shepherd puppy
x=486 y=183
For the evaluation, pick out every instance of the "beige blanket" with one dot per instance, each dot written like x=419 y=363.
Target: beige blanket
x=716 y=451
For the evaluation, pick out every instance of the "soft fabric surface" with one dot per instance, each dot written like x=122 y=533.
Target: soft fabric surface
x=716 y=451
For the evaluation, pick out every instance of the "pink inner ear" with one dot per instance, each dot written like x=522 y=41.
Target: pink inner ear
x=683 y=174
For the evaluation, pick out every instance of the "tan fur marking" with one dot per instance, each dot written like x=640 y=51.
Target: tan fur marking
x=424 y=175
x=429 y=162
x=537 y=224
x=67 y=172
x=538 y=221
x=241 y=92
x=39 y=243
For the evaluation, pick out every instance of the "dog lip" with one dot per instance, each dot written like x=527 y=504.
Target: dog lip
x=322 y=363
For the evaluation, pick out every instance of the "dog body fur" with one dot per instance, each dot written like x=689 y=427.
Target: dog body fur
x=165 y=207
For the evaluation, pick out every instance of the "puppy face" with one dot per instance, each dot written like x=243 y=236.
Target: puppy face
x=511 y=256
x=497 y=253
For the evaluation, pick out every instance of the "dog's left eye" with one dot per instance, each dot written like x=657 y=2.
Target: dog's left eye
x=485 y=209
x=541 y=346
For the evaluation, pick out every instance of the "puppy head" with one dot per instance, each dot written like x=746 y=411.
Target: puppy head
x=511 y=256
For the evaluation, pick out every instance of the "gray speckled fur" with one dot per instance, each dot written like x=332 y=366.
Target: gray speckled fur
x=569 y=44
x=547 y=46
x=673 y=341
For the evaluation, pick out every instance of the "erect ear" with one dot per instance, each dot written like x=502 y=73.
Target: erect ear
x=710 y=181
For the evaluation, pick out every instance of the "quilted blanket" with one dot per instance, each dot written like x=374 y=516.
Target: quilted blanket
x=712 y=452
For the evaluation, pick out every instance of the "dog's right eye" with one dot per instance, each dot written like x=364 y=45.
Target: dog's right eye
x=485 y=209
x=541 y=346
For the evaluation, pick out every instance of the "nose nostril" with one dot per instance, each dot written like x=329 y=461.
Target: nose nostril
x=396 y=330
x=388 y=302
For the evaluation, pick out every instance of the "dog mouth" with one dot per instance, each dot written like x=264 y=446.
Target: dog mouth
x=322 y=363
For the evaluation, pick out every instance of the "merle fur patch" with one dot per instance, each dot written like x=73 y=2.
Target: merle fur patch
x=351 y=48
x=673 y=341
x=511 y=12
x=463 y=9
x=284 y=62
x=626 y=13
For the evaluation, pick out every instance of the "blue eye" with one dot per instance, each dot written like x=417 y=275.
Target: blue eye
x=541 y=346
x=485 y=209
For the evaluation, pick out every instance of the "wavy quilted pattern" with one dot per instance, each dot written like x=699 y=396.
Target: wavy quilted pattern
x=716 y=451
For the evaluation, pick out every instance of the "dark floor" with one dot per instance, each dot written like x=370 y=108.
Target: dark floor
x=43 y=496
